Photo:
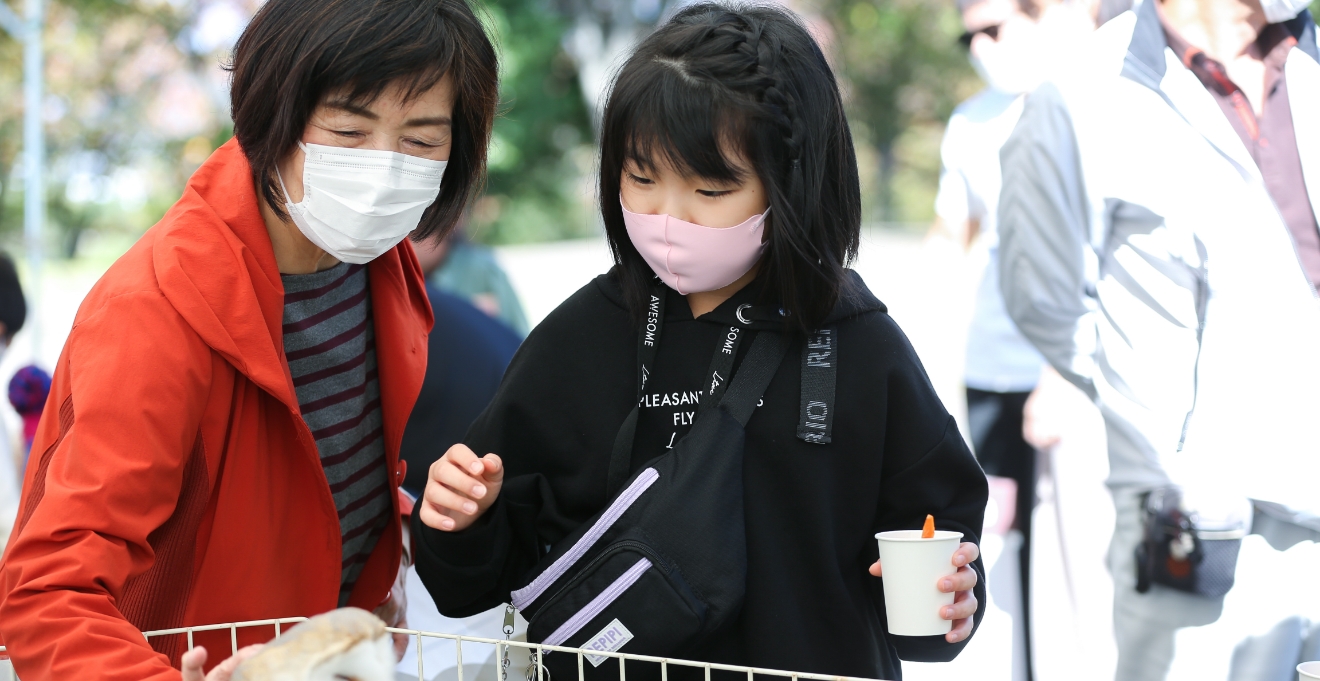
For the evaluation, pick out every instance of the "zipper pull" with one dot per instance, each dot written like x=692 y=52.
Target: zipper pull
x=508 y=634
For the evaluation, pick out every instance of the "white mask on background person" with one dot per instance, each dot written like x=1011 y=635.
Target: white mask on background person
x=1013 y=64
x=1032 y=50
x=359 y=203
x=1278 y=11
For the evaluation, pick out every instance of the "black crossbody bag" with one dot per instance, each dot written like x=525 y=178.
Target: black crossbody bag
x=664 y=565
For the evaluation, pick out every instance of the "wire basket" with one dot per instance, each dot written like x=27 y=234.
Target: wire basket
x=502 y=648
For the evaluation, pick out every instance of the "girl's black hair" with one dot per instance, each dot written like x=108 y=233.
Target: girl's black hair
x=719 y=80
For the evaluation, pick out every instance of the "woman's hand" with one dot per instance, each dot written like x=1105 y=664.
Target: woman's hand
x=194 y=660
x=394 y=611
x=960 y=583
x=460 y=488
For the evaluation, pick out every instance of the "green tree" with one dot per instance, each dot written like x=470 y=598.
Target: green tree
x=901 y=69
x=541 y=153
x=124 y=95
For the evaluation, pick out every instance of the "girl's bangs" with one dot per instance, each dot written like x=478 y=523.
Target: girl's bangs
x=687 y=128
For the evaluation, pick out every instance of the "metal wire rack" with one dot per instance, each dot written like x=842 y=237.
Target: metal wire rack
x=501 y=647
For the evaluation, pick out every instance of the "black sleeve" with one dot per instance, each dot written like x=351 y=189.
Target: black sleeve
x=927 y=469
x=552 y=422
x=472 y=571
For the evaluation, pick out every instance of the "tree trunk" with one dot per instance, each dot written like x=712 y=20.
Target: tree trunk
x=885 y=183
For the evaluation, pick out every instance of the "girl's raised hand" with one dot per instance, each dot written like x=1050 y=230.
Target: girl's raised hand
x=960 y=583
x=460 y=487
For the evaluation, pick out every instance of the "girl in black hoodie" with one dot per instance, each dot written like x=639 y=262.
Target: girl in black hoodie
x=728 y=172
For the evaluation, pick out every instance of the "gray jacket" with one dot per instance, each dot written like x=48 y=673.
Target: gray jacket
x=1141 y=253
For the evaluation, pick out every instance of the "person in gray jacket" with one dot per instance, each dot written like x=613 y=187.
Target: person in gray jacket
x=1159 y=246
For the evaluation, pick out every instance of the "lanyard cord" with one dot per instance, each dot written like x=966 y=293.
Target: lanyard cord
x=648 y=344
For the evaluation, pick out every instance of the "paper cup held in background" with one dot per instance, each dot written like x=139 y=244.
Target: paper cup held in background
x=912 y=567
x=1308 y=671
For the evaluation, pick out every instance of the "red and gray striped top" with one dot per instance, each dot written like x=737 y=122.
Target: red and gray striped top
x=329 y=343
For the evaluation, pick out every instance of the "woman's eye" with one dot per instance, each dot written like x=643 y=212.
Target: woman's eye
x=638 y=179
x=420 y=143
x=714 y=193
x=349 y=133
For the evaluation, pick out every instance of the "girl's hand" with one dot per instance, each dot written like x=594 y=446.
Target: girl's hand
x=194 y=660
x=460 y=488
x=960 y=583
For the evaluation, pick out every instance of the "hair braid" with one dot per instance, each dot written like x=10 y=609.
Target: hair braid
x=783 y=107
x=721 y=90
x=781 y=110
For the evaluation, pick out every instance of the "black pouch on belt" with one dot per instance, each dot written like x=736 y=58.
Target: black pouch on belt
x=1177 y=552
x=664 y=565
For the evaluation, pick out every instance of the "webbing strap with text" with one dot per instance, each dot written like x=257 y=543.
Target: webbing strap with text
x=819 y=363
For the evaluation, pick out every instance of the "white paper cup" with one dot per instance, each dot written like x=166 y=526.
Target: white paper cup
x=1308 y=671
x=912 y=568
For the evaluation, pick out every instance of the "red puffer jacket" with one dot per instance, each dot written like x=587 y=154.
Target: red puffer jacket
x=173 y=481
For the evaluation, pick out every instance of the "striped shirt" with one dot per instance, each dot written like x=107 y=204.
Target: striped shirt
x=330 y=345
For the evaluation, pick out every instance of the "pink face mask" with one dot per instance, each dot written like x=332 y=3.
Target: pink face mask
x=691 y=258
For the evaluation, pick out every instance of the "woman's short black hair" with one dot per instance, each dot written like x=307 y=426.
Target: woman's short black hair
x=295 y=52
x=719 y=80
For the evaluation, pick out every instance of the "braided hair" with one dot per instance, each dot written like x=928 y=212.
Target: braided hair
x=719 y=88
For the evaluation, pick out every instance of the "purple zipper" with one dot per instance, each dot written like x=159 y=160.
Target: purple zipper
x=599 y=603
x=527 y=595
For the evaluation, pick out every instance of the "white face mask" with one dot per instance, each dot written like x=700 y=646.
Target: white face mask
x=359 y=203
x=1278 y=11
x=1024 y=57
x=1012 y=66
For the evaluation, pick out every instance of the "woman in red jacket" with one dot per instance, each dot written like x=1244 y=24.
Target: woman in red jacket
x=221 y=440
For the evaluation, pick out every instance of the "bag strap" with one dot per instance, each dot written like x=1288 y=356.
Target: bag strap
x=740 y=404
x=740 y=397
x=754 y=376
x=717 y=377
x=819 y=365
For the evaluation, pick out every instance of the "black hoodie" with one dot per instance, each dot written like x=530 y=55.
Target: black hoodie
x=812 y=510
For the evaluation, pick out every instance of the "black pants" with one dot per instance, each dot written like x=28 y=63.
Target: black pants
x=995 y=422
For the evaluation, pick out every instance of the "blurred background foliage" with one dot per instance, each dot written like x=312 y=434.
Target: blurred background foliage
x=902 y=72
x=137 y=99
x=541 y=151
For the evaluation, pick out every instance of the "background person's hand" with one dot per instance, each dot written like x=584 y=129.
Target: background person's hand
x=960 y=583
x=194 y=661
x=1052 y=410
x=460 y=488
x=1040 y=418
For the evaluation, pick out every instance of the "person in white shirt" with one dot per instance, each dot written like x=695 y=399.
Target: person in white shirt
x=1010 y=43
x=1159 y=246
